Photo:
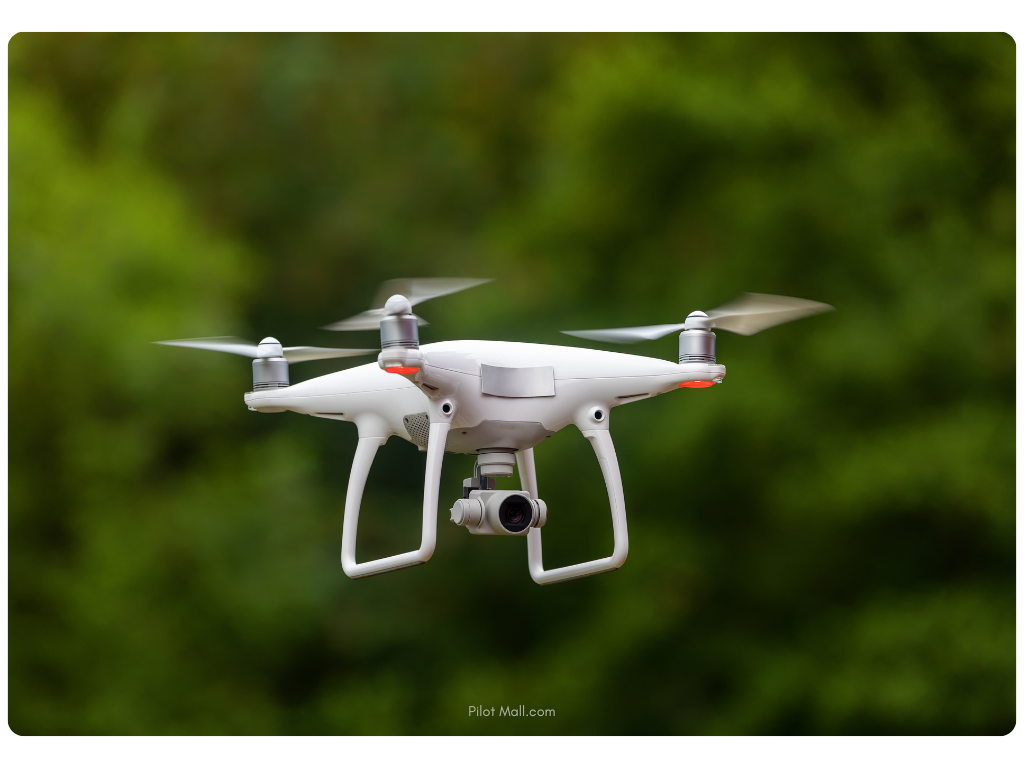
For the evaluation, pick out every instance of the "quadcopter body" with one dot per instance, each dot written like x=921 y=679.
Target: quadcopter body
x=503 y=395
x=491 y=399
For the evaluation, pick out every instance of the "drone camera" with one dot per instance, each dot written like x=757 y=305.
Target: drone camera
x=517 y=513
x=501 y=513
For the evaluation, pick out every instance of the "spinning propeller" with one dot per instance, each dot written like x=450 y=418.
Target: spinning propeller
x=269 y=359
x=746 y=315
x=268 y=348
x=414 y=289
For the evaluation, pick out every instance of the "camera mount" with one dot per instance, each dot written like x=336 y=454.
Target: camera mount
x=478 y=482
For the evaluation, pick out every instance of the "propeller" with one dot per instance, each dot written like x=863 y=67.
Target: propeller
x=269 y=347
x=746 y=315
x=415 y=289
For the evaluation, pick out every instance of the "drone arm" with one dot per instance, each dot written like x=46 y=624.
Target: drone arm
x=365 y=451
x=601 y=439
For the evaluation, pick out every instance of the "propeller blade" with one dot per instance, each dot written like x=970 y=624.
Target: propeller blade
x=415 y=289
x=301 y=354
x=628 y=335
x=420 y=289
x=364 y=321
x=229 y=344
x=753 y=312
x=748 y=314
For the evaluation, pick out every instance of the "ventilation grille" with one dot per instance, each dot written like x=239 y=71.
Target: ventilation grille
x=418 y=427
x=696 y=359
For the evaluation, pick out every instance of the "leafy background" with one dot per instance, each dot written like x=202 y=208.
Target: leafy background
x=824 y=544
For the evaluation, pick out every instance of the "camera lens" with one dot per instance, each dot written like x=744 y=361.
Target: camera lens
x=515 y=514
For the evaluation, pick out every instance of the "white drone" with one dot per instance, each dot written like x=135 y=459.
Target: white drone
x=493 y=400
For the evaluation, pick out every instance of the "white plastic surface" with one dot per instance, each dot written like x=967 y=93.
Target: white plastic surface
x=585 y=381
x=605 y=450
x=517 y=382
x=365 y=452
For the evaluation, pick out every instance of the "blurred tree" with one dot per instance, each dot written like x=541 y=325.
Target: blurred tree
x=825 y=544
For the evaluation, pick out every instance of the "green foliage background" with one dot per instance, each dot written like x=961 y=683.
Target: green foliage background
x=824 y=544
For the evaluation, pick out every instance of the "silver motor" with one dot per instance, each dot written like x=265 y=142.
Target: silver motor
x=269 y=373
x=697 y=346
x=270 y=369
x=399 y=327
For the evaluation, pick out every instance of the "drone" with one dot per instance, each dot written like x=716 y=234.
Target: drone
x=494 y=400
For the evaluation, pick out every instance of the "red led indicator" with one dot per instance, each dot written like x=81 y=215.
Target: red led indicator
x=401 y=369
x=697 y=384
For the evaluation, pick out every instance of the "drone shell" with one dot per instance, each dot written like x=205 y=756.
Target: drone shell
x=543 y=389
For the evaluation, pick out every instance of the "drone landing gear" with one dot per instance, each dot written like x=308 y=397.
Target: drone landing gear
x=365 y=451
x=601 y=439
